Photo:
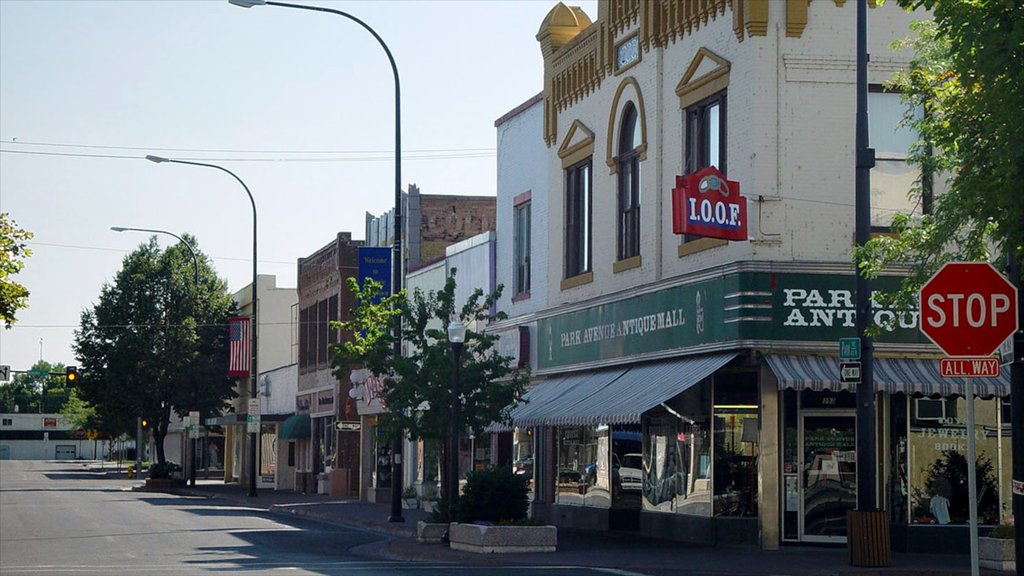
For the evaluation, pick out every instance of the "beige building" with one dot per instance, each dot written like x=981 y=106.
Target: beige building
x=697 y=224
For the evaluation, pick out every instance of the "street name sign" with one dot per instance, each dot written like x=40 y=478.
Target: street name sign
x=849 y=348
x=968 y=309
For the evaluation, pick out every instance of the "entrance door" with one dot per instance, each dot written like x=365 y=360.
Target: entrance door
x=829 y=474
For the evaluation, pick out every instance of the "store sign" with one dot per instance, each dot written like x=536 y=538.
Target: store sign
x=706 y=204
x=749 y=306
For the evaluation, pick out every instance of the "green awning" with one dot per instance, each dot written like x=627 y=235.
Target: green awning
x=296 y=426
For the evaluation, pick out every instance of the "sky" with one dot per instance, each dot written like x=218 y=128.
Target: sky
x=298 y=104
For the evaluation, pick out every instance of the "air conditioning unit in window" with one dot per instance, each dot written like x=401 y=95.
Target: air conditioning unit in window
x=931 y=410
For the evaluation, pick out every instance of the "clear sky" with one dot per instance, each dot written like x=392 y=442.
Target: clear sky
x=299 y=104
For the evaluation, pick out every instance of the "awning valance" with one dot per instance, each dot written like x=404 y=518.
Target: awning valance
x=295 y=427
x=892 y=375
x=617 y=396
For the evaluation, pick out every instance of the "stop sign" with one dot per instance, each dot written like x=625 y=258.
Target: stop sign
x=80 y=433
x=968 y=309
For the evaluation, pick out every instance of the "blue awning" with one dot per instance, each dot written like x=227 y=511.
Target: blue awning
x=614 y=396
x=892 y=375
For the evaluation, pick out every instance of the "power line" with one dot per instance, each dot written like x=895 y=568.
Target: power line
x=231 y=151
x=382 y=158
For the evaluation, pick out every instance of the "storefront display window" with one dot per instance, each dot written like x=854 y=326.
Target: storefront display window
x=522 y=455
x=736 y=444
x=677 y=455
x=382 y=460
x=934 y=448
x=582 y=472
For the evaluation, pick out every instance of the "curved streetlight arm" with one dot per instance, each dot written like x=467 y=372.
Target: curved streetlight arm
x=396 y=282
x=191 y=250
x=254 y=328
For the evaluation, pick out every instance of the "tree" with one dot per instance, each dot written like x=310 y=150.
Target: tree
x=13 y=251
x=967 y=73
x=156 y=342
x=39 y=390
x=417 y=387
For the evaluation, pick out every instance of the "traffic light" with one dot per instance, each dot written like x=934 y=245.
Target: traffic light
x=71 y=376
x=145 y=423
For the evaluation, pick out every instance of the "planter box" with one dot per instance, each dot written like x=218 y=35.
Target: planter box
x=430 y=531
x=410 y=503
x=502 y=539
x=996 y=553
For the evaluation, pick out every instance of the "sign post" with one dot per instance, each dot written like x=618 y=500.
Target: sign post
x=968 y=310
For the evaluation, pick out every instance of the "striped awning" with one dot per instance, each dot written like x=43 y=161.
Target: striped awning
x=616 y=396
x=913 y=376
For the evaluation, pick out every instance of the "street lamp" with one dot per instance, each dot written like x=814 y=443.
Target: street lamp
x=456 y=337
x=396 y=282
x=254 y=328
x=195 y=265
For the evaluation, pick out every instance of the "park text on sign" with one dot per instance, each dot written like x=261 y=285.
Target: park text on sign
x=985 y=367
x=706 y=204
x=968 y=309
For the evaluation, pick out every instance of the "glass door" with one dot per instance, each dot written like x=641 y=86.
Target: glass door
x=828 y=474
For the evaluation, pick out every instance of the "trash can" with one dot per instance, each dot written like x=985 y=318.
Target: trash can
x=867 y=538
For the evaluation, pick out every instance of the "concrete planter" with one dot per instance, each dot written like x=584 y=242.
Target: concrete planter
x=429 y=505
x=997 y=554
x=410 y=503
x=429 y=531
x=502 y=539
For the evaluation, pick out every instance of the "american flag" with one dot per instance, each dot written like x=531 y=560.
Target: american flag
x=238 y=359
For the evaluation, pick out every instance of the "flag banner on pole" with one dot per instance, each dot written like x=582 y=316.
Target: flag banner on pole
x=239 y=338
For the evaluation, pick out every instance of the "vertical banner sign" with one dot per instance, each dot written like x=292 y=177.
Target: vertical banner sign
x=375 y=262
x=238 y=339
x=705 y=203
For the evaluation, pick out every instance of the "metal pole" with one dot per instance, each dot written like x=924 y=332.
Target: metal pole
x=1017 y=415
x=972 y=481
x=396 y=283
x=254 y=325
x=866 y=459
x=453 y=432
x=138 y=447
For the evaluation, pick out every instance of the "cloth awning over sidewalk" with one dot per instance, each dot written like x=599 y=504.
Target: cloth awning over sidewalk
x=892 y=375
x=616 y=396
x=295 y=427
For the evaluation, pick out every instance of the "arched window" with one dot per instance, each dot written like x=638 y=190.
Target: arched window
x=629 y=184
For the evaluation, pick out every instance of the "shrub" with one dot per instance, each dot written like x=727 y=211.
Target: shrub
x=1003 y=531
x=409 y=492
x=493 y=494
x=163 y=469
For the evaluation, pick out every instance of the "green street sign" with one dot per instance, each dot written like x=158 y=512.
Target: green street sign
x=849 y=348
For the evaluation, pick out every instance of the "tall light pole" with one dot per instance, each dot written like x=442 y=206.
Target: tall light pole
x=456 y=337
x=195 y=265
x=396 y=282
x=254 y=326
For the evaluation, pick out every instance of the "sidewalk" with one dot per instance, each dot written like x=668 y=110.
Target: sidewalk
x=580 y=548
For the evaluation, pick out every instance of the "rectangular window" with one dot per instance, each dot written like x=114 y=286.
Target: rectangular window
x=892 y=177
x=304 y=338
x=629 y=206
x=332 y=316
x=705 y=134
x=521 y=247
x=8 y=422
x=321 y=331
x=577 y=219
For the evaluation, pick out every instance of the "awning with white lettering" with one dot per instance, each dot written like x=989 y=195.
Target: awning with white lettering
x=913 y=376
x=617 y=396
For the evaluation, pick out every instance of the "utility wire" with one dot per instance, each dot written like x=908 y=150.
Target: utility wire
x=382 y=158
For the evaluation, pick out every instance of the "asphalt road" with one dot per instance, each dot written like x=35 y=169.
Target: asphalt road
x=61 y=518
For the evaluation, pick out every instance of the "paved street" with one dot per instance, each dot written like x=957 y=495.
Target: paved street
x=65 y=518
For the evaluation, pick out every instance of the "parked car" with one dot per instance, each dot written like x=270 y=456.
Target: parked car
x=523 y=466
x=631 y=472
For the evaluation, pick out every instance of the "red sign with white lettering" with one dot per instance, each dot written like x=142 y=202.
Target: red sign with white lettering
x=965 y=367
x=706 y=204
x=968 y=309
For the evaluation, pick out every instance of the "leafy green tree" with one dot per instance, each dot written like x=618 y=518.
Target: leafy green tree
x=156 y=342
x=417 y=387
x=967 y=73
x=13 y=251
x=78 y=412
x=39 y=390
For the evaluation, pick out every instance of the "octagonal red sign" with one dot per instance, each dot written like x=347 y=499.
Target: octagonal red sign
x=968 y=309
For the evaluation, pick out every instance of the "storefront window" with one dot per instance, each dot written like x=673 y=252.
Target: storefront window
x=676 y=471
x=382 y=460
x=736 y=437
x=936 y=459
x=522 y=455
x=582 y=472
